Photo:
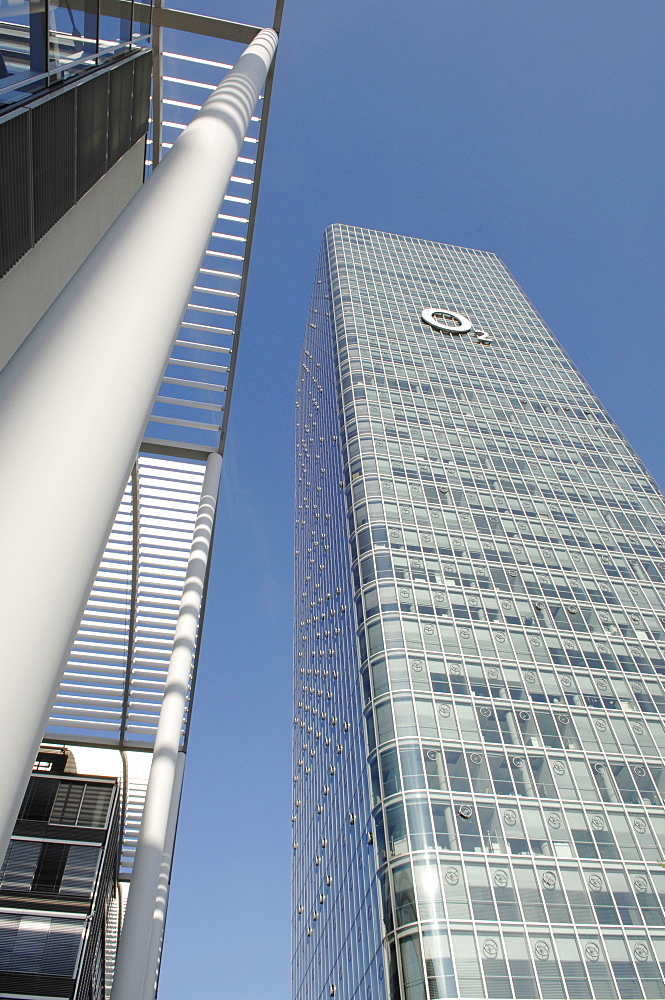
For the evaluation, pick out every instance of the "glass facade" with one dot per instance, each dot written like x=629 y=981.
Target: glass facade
x=479 y=769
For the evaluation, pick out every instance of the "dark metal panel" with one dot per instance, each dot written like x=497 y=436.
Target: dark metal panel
x=24 y=983
x=53 y=160
x=120 y=111
x=92 y=122
x=141 y=96
x=16 y=235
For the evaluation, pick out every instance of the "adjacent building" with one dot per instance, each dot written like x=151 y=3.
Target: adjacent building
x=479 y=769
x=59 y=904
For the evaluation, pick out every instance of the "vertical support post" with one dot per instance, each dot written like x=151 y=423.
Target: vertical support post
x=75 y=400
x=91 y=15
x=156 y=89
x=38 y=26
x=131 y=969
x=153 y=960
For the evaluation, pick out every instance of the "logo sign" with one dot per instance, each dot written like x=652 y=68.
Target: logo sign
x=446 y=321
x=449 y=321
x=452 y=876
x=490 y=948
x=592 y=951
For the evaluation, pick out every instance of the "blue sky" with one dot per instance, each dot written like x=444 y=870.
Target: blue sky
x=527 y=127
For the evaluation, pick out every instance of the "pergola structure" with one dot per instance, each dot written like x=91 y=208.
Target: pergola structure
x=138 y=619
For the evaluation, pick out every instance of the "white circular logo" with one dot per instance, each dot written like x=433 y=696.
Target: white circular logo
x=490 y=948
x=592 y=951
x=446 y=320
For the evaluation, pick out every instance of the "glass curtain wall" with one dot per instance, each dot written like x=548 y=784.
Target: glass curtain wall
x=336 y=930
x=505 y=552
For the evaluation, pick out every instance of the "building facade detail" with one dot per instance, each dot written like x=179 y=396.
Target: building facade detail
x=58 y=889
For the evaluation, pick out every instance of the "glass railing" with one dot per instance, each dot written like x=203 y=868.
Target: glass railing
x=45 y=42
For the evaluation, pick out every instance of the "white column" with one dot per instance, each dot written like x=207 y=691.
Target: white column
x=131 y=961
x=75 y=400
x=153 y=959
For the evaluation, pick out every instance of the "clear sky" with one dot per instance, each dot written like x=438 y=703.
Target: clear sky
x=531 y=128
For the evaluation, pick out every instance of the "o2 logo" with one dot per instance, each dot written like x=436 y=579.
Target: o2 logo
x=449 y=321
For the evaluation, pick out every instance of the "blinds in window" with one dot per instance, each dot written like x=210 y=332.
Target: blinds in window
x=81 y=804
x=41 y=945
x=18 y=868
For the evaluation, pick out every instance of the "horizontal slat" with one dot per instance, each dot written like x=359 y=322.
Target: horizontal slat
x=201 y=365
x=189 y=402
x=211 y=309
x=204 y=386
x=205 y=328
x=181 y=422
x=195 y=59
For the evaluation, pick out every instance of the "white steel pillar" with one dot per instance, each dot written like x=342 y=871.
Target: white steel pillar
x=75 y=400
x=153 y=959
x=130 y=967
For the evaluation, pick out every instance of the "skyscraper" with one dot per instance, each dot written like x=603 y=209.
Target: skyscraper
x=479 y=770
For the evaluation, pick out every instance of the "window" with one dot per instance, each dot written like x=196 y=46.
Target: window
x=40 y=945
x=79 y=803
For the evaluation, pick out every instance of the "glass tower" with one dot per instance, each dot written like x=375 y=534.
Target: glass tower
x=479 y=753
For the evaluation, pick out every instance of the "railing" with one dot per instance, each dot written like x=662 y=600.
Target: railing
x=46 y=170
x=35 y=54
